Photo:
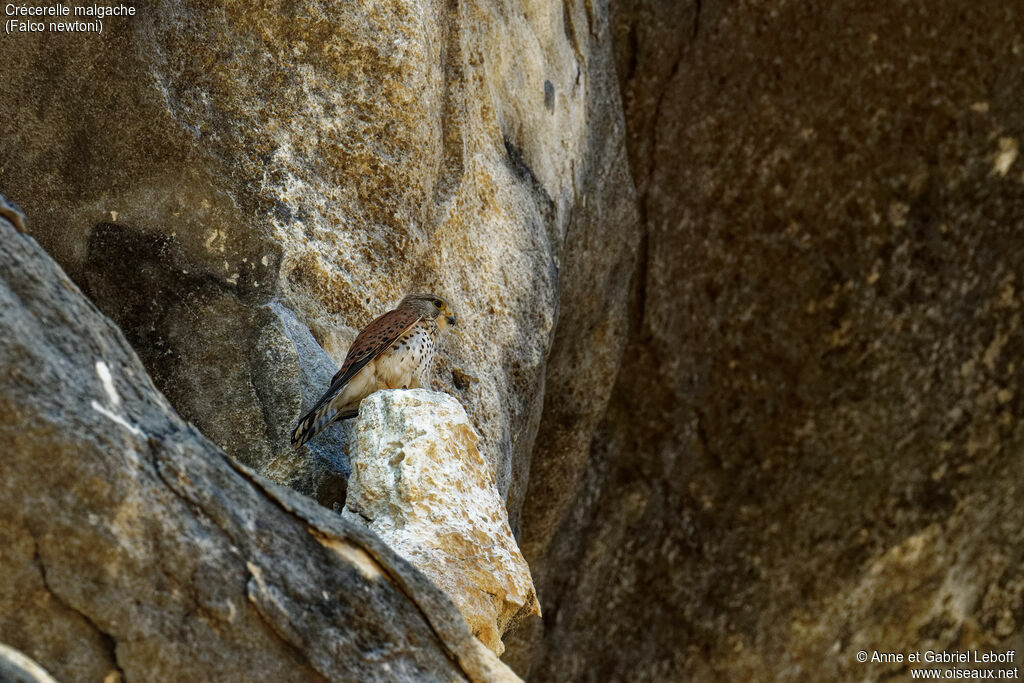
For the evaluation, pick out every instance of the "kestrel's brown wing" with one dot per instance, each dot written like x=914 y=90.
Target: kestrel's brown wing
x=377 y=338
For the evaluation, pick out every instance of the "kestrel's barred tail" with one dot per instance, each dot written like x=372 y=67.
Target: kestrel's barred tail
x=315 y=421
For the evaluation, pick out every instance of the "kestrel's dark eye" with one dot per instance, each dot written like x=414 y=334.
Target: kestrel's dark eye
x=437 y=303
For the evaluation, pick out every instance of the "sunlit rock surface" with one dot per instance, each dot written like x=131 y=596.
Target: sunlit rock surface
x=419 y=481
x=201 y=161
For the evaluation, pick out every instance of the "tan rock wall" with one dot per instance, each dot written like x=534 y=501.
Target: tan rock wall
x=740 y=341
x=328 y=158
x=242 y=187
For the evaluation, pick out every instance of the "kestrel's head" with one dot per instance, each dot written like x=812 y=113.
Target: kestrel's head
x=431 y=306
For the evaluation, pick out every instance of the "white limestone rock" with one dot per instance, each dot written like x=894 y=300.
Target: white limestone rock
x=420 y=483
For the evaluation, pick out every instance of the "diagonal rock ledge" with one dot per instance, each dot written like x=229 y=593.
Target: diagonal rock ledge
x=133 y=546
x=419 y=481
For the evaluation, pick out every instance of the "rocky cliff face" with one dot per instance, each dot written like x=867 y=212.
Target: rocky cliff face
x=812 y=445
x=241 y=187
x=200 y=161
x=739 y=284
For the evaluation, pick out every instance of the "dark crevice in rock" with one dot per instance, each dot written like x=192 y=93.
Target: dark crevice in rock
x=592 y=22
x=273 y=625
x=452 y=118
x=570 y=34
x=368 y=520
x=522 y=170
x=643 y=190
x=108 y=640
x=632 y=59
x=331 y=490
x=659 y=110
x=638 y=306
x=155 y=449
x=705 y=440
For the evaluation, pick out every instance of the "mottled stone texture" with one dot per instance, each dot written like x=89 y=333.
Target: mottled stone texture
x=419 y=482
x=134 y=549
x=242 y=186
x=739 y=283
x=204 y=160
x=813 y=445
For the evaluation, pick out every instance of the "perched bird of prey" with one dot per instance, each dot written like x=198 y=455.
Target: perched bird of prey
x=395 y=351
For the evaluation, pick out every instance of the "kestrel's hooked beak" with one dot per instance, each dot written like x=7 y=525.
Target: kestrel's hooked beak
x=451 y=319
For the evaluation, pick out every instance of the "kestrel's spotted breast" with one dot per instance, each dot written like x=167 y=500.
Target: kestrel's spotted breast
x=395 y=351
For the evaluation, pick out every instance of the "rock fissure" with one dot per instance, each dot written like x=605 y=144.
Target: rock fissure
x=273 y=625
x=159 y=465
x=256 y=578
x=328 y=534
x=108 y=639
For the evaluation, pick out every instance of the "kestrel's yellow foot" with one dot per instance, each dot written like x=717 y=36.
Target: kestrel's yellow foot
x=395 y=350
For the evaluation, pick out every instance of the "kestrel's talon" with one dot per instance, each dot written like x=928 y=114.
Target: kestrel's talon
x=396 y=349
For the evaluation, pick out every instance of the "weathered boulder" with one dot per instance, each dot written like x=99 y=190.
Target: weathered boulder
x=420 y=483
x=134 y=547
